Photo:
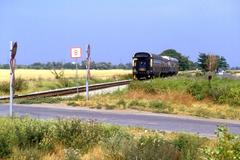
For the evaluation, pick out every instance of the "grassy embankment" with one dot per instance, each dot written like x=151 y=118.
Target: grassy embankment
x=28 y=80
x=178 y=95
x=25 y=138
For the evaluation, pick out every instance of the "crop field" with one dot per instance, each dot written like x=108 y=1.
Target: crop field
x=29 y=74
x=29 y=80
x=234 y=72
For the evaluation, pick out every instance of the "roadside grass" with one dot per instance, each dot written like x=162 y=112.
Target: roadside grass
x=72 y=139
x=177 y=95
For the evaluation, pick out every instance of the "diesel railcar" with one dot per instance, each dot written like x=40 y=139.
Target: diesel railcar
x=147 y=65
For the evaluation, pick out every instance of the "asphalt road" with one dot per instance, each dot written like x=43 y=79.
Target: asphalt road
x=165 y=122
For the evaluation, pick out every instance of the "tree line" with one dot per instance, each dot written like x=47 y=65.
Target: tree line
x=206 y=62
x=69 y=65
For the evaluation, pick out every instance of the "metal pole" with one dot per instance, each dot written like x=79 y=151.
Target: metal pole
x=11 y=83
x=77 y=75
x=87 y=91
x=87 y=68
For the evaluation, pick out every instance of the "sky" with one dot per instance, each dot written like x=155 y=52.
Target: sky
x=46 y=29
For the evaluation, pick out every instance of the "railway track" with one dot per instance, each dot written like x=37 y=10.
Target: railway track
x=71 y=90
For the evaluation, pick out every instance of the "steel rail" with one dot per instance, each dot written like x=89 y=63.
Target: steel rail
x=70 y=90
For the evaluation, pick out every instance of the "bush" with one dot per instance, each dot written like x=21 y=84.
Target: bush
x=78 y=135
x=64 y=82
x=30 y=135
x=4 y=87
x=5 y=147
x=226 y=148
x=188 y=146
x=199 y=89
x=118 y=144
x=154 y=148
x=122 y=103
x=20 y=84
x=122 y=146
x=226 y=91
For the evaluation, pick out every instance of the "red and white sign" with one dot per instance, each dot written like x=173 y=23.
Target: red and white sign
x=76 y=52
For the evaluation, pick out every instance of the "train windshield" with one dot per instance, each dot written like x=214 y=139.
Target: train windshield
x=142 y=64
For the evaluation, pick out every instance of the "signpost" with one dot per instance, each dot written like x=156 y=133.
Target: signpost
x=88 y=70
x=76 y=53
x=12 y=64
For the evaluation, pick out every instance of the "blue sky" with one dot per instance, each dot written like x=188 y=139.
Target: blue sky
x=47 y=29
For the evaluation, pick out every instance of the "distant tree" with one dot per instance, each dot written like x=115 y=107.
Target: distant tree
x=222 y=63
x=184 y=62
x=210 y=62
x=37 y=65
x=128 y=65
x=202 y=62
x=69 y=65
x=4 y=66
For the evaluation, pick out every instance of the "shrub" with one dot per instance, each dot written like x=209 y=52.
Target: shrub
x=20 y=84
x=122 y=103
x=30 y=135
x=64 y=82
x=123 y=146
x=5 y=147
x=118 y=144
x=226 y=148
x=199 y=89
x=4 y=87
x=154 y=147
x=188 y=146
x=78 y=135
x=226 y=91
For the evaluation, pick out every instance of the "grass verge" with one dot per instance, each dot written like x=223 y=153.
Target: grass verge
x=26 y=138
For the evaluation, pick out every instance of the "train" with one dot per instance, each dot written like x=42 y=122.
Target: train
x=147 y=65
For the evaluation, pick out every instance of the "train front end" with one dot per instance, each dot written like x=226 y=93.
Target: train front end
x=141 y=65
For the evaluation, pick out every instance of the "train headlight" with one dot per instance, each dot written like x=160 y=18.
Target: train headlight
x=142 y=69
